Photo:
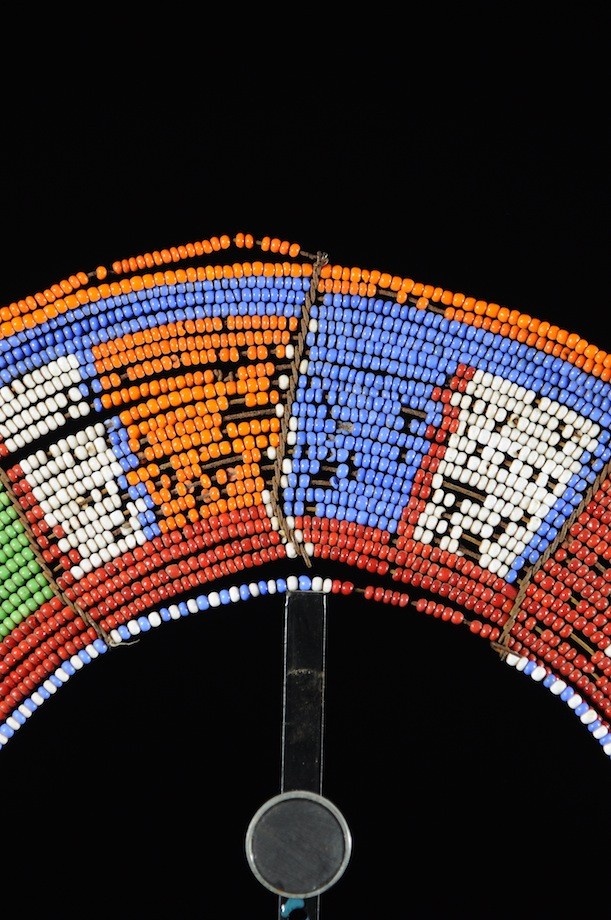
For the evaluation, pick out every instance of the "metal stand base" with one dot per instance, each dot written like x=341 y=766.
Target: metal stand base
x=298 y=843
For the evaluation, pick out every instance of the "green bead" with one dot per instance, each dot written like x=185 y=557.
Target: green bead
x=12 y=566
x=32 y=605
x=4 y=629
x=27 y=552
x=23 y=610
x=41 y=580
x=16 y=618
x=48 y=593
x=23 y=593
x=4 y=518
x=7 y=606
x=33 y=567
x=39 y=598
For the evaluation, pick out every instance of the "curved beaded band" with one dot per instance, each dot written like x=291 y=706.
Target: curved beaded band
x=186 y=416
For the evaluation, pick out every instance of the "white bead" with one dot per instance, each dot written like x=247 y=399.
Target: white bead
x=292 y=583
x=558 y=687
x=588 y=717
x=254 y=589
x=154 y=619
x=539 y=673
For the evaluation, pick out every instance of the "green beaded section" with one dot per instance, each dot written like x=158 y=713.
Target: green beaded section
x=24 y=586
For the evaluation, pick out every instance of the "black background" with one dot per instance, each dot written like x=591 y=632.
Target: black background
x=470 y=154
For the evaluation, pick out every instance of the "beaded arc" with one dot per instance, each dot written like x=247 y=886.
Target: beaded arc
x=178 y=428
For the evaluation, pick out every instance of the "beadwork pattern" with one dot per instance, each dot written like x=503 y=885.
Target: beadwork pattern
x=176 y=425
